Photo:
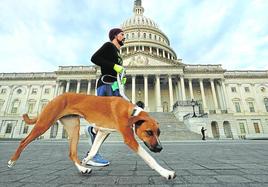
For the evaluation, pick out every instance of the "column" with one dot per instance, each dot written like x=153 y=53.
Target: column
x=168 y=56
x=39 y=100
x=88 y=87
x=158 y=95
x=244 y=107
x=179 y=90
x=214 y=96
x=226 y=97
x=151 y=51
x=127 y=50
x=191 y=89
x=8 y=101
x=67 y=86
x=171 y=100
x=157 y=51
x=146 y=103
x=258 y=106
x=203 y=95
x=78 y=86
x=164 y=55
x=133 y=89
x=56 y=89
x=183 y=89
x=26 y=100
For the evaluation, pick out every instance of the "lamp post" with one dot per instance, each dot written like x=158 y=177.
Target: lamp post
x=193 y=105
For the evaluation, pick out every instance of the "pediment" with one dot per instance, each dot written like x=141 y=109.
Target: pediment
x=141 y=59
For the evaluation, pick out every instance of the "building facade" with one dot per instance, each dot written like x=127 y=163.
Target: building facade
x=229 y=104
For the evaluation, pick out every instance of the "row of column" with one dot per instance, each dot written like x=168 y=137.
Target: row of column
x=181 y=87
x=165 y=54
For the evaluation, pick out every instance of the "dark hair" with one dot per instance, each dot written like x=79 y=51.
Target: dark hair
x=114 y=32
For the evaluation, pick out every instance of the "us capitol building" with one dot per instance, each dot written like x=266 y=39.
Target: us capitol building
x=229 y=104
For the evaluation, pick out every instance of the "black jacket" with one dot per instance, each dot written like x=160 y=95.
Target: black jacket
x=106 y=57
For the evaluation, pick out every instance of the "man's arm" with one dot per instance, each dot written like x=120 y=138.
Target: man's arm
x=99 y=59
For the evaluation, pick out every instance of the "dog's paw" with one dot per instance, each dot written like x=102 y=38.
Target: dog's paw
x=11 y=163
x=86 y=171
x=170 y=175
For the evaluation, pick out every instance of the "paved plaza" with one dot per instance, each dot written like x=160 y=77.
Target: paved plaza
x=197 y=163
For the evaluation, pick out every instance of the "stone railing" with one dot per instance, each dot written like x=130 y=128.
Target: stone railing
x=77 y=68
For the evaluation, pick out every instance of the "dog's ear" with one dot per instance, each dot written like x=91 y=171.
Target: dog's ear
x=137 y=120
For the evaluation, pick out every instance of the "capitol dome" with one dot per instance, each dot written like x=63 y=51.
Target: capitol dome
x=143 y=35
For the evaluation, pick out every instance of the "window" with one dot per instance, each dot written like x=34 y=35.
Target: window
x=25 y=129
x=242 y=128
x=144 y=35
x=126 y=36
x=34 y=91
x=150 y=36
x=3 y=91
x=31 y=107
x=247 y=89
x=47 y=90
x=9 y=128
x=15 y=107
x=251 y=107
x=237 y=107
x=133 y=35
x=262 y=89
x=266 y=104
x=256 y=127
x=233 y=89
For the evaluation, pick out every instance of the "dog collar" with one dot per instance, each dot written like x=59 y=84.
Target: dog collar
x=136 y=111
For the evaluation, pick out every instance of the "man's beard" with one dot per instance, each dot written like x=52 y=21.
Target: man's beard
x=121 y=43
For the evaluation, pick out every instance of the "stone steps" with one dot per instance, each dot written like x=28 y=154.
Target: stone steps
x=171 y=129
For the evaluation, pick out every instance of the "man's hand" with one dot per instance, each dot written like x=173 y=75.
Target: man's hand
x=118 y=68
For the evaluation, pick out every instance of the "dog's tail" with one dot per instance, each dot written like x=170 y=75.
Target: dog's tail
x=28 y=120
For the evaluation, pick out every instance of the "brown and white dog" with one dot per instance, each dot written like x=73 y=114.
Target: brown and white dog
x=108 y=114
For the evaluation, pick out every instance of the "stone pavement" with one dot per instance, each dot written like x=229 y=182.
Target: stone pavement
x=198 y=164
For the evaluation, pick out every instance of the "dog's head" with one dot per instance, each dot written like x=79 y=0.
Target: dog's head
x=147 y=129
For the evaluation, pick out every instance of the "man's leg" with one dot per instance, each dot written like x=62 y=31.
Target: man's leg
x=97 y=160
x=91 y=132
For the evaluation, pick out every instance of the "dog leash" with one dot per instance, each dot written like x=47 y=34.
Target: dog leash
x=121 y=84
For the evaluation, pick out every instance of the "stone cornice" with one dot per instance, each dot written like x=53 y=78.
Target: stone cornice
x=200 y=68
x=28 y=76
x=246 y=74
x=63 y=70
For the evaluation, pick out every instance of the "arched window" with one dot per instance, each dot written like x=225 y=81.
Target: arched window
x=31 y=105
x=250 y=102
x=266 y=104
x=144 y=35
x=15 y=106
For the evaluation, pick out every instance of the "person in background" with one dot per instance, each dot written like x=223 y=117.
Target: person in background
x=203 y=133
